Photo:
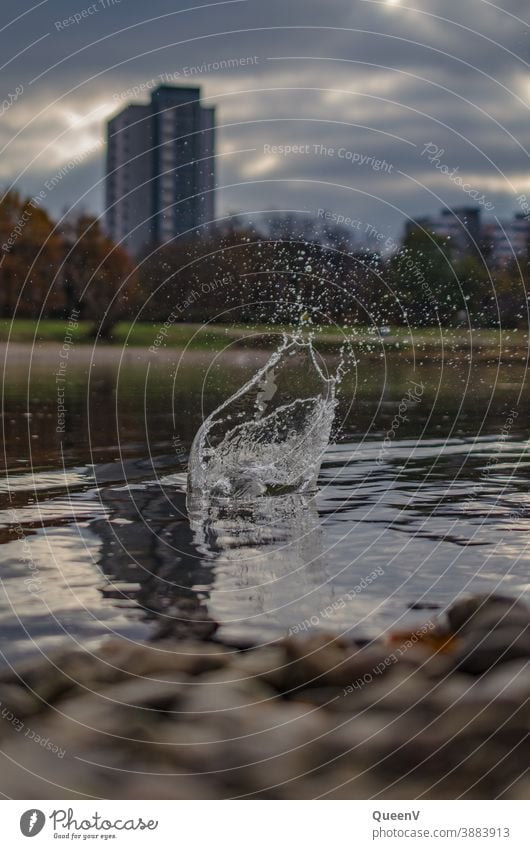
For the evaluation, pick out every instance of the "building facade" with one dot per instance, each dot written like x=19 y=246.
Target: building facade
x=160 y=175
x=508 y=241
x=461 y=226
x=498 y=243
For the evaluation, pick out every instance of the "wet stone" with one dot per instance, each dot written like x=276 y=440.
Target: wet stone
x=305 y=717
x=18 y=701
x=483 y=611
x=508 y=682
x=324 y=660
x=484 y=650
x=221 y=691
x=269 y=664
x=189 y=658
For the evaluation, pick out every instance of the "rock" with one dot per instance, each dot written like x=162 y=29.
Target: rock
x=325 y=697
x=423 y=605
x=508 y=682
x=303 y=718
x=18 y=701
x=274 y=752
x=483 y=650
x=146 y=660
x=483 y=611
x=129 y=713
x=390 y=693
x=268 y=664
x=221 y=693
x=49 y=678
x=171 y=787
x=433 y=664
x=324 y=660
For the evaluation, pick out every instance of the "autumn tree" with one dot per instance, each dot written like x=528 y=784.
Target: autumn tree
x=98 y=277
x=30 y=252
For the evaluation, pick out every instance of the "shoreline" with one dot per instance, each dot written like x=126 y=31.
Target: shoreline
x=192 y=340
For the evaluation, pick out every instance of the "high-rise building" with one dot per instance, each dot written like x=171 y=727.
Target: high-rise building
x=160 y=168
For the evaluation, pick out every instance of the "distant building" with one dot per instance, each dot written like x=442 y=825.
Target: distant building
x=160 y=168
x=499 y=242
x=461 y=227
x=507 y=241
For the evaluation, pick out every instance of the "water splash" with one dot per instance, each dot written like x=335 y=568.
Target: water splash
x=269 y=437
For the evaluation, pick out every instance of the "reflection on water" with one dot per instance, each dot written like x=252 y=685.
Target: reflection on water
x=96 y=538
x=266 y=558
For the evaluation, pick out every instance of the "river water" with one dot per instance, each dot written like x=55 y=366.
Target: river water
x=423 y=494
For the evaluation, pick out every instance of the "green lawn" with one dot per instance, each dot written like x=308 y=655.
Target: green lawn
x=213 y=336
x=139 y=334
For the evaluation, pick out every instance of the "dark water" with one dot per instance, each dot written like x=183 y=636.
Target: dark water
x=96 y=539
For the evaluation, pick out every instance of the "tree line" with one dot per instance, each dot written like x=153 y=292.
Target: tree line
x=244 y=272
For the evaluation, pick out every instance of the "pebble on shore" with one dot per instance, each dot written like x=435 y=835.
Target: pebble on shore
x=442 y=712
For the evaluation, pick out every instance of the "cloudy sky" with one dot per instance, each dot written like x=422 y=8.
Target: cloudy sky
x=353 y=83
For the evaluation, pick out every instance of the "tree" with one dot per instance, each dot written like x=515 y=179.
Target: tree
x=477 y=287
x=508 y=302
x=424 y=280
x=31 y=251
x=98 y=277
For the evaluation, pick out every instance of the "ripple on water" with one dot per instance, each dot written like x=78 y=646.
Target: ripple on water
x=431 y=521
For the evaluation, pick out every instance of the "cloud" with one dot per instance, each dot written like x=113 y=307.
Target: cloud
x=379 y=79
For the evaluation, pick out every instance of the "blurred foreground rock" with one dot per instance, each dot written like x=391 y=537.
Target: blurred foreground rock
x=442 y=712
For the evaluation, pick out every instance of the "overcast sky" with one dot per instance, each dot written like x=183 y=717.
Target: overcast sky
x=369 y=80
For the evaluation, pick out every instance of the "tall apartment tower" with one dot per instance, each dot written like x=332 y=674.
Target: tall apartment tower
x=160 y=168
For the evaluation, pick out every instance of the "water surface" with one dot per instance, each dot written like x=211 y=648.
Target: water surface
x=421 y=497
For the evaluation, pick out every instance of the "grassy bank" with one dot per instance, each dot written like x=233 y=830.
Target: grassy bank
x=217 y=336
